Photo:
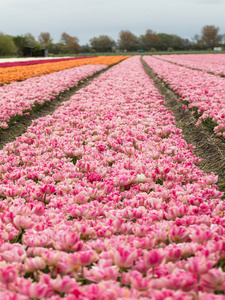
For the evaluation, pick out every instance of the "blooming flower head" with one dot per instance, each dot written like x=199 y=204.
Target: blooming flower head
x=124 y=257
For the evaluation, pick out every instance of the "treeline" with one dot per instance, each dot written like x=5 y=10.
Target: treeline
x=127 y=42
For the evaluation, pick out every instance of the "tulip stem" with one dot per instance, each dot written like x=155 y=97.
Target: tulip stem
x=198 y=278
x=18 y=238
x=82 y=272
x=45 y=199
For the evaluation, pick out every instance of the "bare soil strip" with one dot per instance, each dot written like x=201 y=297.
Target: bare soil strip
x=208 y=147
x=20 y=126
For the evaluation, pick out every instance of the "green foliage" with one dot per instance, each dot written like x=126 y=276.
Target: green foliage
x=128 y=41
x=44 y=39
x=103 y=43
x=165 y=41
x=71 y=44
x=151 y=40
x=30 y=40
x=54 y=48
x=66 y=49
x=7 y=45
x=171 y=41
x=85 y=49
x=20 y=42
x=37 y=50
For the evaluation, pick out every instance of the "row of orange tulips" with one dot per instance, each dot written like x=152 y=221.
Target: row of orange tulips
x=21 y=73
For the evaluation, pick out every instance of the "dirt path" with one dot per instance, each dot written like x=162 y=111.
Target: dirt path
x=20 y=126
x=208 y=147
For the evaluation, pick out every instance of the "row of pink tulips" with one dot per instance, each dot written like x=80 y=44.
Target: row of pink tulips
x=211 y=63
x=36 y=61
x=104 y=200
x=17 y=98
x=201 y=90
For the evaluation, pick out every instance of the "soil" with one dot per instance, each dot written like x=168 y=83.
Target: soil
x=208 y=147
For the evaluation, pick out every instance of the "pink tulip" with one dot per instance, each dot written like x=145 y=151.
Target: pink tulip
x=213 y=280
x=60 y=284
x=33 y=264
x=23 y=222
x=173 y=254
x=199 y=265
x=68 y=241
x=201 y=236
x=106 y=200
x=153 y=258
x=178 y=234
x=87 y=257
x=124 y=258
x=48 y=189
x=140 y=283
x=33 y=290
x=8 y=273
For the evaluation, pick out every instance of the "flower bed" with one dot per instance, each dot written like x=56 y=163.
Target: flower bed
x=103 y=200
x=212 y=63
x=36 y=62
x=18 y=98
x=199 y=91
x=21 y=73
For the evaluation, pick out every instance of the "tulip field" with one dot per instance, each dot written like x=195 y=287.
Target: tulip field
x=210 y=63
x=17 y=98
x=104 y=199
x=22 y=72
x=199 y=90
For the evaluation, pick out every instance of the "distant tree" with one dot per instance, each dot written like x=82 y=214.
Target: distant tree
x=187 y=44
x=210 y=36
x=170 y=41
x=65 y=38
x=7 y=45
x=85 y=48
x=177 y=42
x=141 y=42
x=196 y=38
x=74 y=44
x=197 y=42
x=54 y=48
x=20 y=42
x=103 y=43
x=223 y=39
x=31 y=42
x=71 y=43
x=44 y=39
x=127 y=41
x=151 y=40
x=166 y=41
x=37 y=50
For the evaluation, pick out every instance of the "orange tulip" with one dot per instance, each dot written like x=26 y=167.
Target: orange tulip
x=20 y=73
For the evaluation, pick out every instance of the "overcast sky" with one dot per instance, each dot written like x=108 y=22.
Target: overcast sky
x=86 y=19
